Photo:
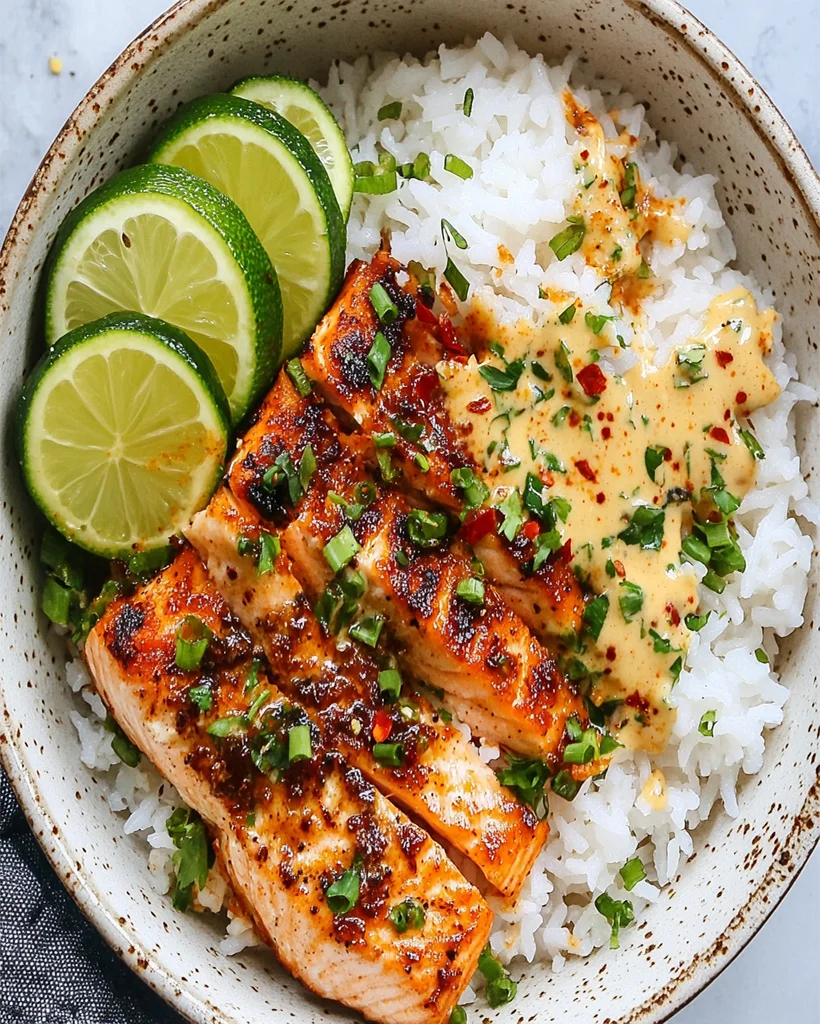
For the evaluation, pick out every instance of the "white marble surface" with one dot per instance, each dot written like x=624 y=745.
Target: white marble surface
x=778 y=976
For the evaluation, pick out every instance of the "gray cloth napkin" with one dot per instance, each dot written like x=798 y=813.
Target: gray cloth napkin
x=54 y=968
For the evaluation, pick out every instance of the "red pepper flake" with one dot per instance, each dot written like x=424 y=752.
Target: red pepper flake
x=723 y=358
x=427 y=316
x=635 y=700
x=610 y=653
x=478 y=524
x=592 y=379
x=667 y=455
x=673 y=613
x=585 y=470
x=482 y=404
x=530 y=529
x=719 y=434
x=741 y=397
x=423 y=385
x=606 y=433
x=728 y=414
x=574 y=418
x=382 y=725
x=585 y=154
x=603 y=183
x=609 y=417
x=600 y=497
x=564 y=553
x=449 y=339
x=619 y=568
x=600 y=416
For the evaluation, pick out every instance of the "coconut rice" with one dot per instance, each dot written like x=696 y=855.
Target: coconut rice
x=520 y=148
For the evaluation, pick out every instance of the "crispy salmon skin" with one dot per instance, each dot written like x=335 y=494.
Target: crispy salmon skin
x=286 y=828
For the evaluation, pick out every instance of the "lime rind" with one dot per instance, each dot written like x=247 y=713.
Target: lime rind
x=100 y=445
x=306 y=110
x=195 y=210
x=309 y=279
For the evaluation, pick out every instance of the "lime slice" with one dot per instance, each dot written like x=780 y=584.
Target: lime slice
x=122 y=432
x=305 y=110
x=270 y=171
x=160 y=241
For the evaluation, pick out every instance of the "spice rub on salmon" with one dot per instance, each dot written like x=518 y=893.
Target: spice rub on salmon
x=501 y=681
x=377 y=368
x=367 y=709
x=357 y=901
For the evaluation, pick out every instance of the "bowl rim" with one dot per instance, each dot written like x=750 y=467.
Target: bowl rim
x=764 y=117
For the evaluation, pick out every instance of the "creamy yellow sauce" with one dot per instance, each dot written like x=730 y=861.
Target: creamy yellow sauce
x=591 y=450
x=613 y=232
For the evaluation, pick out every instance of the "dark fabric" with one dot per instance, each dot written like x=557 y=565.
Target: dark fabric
x=54 y=968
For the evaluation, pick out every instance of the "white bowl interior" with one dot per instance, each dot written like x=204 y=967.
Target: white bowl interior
x=675 y=68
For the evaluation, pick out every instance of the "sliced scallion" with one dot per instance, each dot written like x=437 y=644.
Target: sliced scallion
x=341 y=549
x=455 y=165
x=386 y=309
x=299 y=745
x=377 y=359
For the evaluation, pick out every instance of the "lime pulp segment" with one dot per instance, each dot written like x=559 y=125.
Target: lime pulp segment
x=122 y=433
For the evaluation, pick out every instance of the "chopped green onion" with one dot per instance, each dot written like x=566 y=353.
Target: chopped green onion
x=270 y=548
x=471 y=590
x=257 y=704
x=147 y=563
x=391 y=755
x=223 y=727
x=407 y=915
x=121 y=745
x=193 y=637
x=388 y=471
x=56 y=601
x=644 y=271
x=448 y=231
x=402 y=559
x=696 y=622
x=565 y=785
x=377 y=359
x=619 y=914
x=475 y=490
x=422 y=462
x=584 y=749
x=367 y=630
x=560 y=416
x=707 y=723
x=467 y=105
x=630 y=186
x=631 y=600
x=343 y=895
x=390 y=684
x=299 y=745
x=459 y=1014
x=426 y=529
x=717 y=534
x=568 y=241
x=390 y=111
x=726 y=502
x=595 y=614
x=762 y=656
x=503 y=380
x=501 y=989
x=407 y=428
x=376 y=180
x=386 y=440
x=65 y=561
x=386 y=309
x=597 y=322
x=714 y=582
x=341 y=549
x=300 y=379
x=696 y=549
x=455 y=165
x=457 y=281
x=632 y=872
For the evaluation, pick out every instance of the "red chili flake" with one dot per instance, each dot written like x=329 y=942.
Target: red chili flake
x=600 y=497
x=530 y=529
x=600 y=416
x=610 y=654
x=606 y=433
x=619 y=568
x=382 y=725
x=609 y=417
x=423 y=385
x=448 y=337
x=478 y=524
x=673 y=613
x=592 y=379
x=574 y=418
x=585 y=470
x=482 y=404
x=740 y=397
x=728 y=414
x=635 y=700
x=585 y=154
x=564 y=553
x=667 y=454
x=719 y=434
x=603 y=183
x=724 y=358
x=427 y=316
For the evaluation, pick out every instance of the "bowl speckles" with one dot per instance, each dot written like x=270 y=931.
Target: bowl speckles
x=700 y=97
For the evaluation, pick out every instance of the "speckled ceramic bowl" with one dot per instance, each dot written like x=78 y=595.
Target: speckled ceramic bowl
x=699 y=96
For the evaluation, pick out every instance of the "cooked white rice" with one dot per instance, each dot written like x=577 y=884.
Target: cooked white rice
x=517 y=142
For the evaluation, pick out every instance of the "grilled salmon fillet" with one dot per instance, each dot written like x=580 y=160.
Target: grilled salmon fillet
x=501 y=681
x=441 y=779
x=549 y=600
x=287 y=830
